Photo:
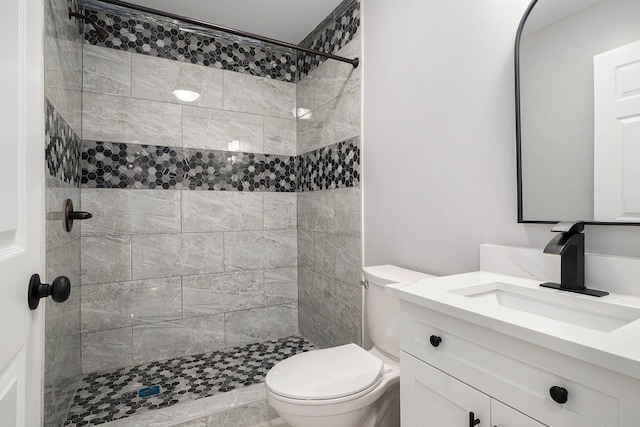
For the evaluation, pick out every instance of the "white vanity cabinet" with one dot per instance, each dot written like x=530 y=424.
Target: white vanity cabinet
x=505 y=381
x=432 y=398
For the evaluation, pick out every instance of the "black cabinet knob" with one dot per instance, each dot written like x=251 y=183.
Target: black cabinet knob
x=435 y=340
x=59 y=290
x=559 y=394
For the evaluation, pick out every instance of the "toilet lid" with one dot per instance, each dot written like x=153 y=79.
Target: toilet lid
x=325 y=374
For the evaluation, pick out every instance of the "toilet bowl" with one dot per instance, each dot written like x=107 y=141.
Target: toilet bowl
x=347 y=386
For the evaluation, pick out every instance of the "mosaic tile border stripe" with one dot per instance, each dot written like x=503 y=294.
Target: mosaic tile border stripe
x=121 y=165
x=62 y=147
x=335 y=32
x=112 y=395
x=165 y=38
x=334 y=166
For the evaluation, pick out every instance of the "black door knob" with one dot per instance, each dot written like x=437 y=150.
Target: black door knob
x=559 y=394
x=59 y=290
x=435 y=340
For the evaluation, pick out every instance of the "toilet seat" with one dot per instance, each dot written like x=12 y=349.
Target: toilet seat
x=335 y=373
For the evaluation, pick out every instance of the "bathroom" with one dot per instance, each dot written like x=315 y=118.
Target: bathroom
x=422 y=133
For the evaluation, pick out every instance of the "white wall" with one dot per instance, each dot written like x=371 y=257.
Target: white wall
x=439 y=140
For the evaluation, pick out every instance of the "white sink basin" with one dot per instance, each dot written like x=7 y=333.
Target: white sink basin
x=588 y=312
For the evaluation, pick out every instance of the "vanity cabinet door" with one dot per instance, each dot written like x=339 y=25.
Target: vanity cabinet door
x=431 y=398
x=504 y=416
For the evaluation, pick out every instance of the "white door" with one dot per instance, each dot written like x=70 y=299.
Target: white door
x=617 y=134
x=431 y=398
x=21 y=209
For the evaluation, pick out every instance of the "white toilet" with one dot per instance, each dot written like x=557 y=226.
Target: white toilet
x=347 y=386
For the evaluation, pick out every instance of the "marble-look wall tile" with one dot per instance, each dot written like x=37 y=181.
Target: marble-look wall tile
x=249 y=414
x=63 y=103
x=63 y=63
x=220 y=293
x=156 y=79
x=280 y=211
x=316 y=211
x=326 y=253
x=346 y=307
x=105 y=259
x=62 y=358
x=330 y=79
x=222 y=211
x=281 y=285
x=62 y=365
x=178 y=338
x=314 y=290
x=106 y=71
x=250 y=250
x=167 y=255
x=348 y=208
x=258 y=95
x=216 y=129
x=280 y=136
x=324 y=332
x=306 y=248
x=63 y=319
x=68 y=103
x=348 y=261
x=261 y=324
x=107 y=349
x=123 y=119
x=316 y=129
x=117 y=305
x=130 y=211
x=347 y=115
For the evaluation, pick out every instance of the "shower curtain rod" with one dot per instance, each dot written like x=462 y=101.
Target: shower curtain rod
x=354 y=62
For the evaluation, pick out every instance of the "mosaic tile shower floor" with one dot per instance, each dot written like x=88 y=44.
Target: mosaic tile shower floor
x=108 y=396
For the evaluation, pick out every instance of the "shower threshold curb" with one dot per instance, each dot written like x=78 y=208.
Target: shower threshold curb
x=201 y=409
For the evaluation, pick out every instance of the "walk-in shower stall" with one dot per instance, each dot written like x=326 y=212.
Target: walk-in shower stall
x=226 y=226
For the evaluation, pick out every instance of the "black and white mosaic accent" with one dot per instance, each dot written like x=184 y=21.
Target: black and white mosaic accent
x=120 y=165
x=62 y=147
x=165 y=38
x=334 y=166
x=337 y=29
x=108 y=396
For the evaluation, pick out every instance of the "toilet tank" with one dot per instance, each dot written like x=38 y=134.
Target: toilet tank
x=382 y=311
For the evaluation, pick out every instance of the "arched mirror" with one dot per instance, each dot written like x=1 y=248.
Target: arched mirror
x=578 y=111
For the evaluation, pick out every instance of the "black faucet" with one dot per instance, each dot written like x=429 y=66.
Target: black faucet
x=569 y=244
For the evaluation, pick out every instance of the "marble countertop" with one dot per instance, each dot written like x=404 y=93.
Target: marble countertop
x=615 y=348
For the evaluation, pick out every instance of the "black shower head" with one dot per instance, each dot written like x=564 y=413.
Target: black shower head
x=101 y=32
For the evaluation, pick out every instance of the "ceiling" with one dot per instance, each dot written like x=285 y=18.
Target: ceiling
x=547 y=12
x=286 y=20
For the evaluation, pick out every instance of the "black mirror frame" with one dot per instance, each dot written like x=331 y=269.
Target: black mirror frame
x=519 y=134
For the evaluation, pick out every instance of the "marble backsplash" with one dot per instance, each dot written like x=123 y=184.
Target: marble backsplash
x=603 y=272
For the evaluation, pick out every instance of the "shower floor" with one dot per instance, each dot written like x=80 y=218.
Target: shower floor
x=108 y=396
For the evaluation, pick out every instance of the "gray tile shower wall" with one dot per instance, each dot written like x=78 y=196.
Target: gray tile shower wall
x=332 y=34
x=329 y=204
x=63 y=85
x=168 y=271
